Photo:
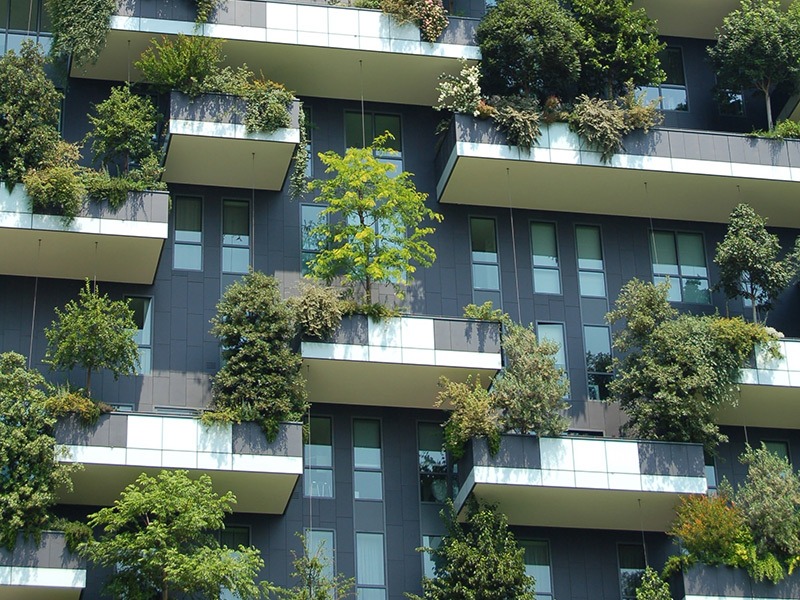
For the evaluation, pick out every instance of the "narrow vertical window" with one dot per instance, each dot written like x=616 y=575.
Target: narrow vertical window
x=591 y=276
x=554 y=332
x=367 y=463
x=432 y=463
x=485 y=261
x=318 y=455
x=319 y=545
x=143 y=336
x=187 y=250
x=310 y=216
x=537 y=565
x=631 y=569
x=429 y=562
x=544 y=251
x=370 y=568
x=235 y=236
x=598 y=359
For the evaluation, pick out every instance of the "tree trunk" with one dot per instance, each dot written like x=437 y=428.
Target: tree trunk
x=755 y=311
x=769 y=110
x=89 y=383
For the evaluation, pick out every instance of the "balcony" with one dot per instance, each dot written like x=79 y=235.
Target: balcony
x=669 y=174
x=726 y=583
x=689 y=18
x=238 y=457
x=316 y=50
x=398 y=361
x=34 y=571
x=769 y=394
x=208 y=144
x=582 y=482
x=122 y=246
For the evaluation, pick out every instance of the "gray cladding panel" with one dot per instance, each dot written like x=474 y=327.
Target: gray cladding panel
x=50 y=552
x=111 y=430
x=249 y=438
x=721 y=581
x=662 y=458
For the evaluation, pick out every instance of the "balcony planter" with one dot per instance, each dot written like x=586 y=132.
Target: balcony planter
x=703 y=581
x=43 y=565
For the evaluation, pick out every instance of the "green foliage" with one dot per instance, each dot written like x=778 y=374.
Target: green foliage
x=29 y=112
x=429 y=16
x=652 y=587
x=601 y=123
x=66 y=401
x=183 y=63
x=158 y=539
x=758 y=47
x=786 y=129
x=478 y=560
x=531 y=389
x=30 y=474
x=748 y=260
x=101 y=186
x=486 y=312
x=206 y=7
x=317 y=310
x=55 y=190
x=674 y=371
x=298 y=180
x=375 y=234
x=267 y=106
x=519 y=118
x=312 y=581
x=621 y=44
x=75 y=532
x=80 y=27
x=638 y=113
x=375 y=310
x=474 y=414
x=529 y=47
x=124 y=126
x=94 y=333
x=460 y=93
x=260 y=379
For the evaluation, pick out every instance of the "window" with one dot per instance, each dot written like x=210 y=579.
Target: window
x=318 y=472
x=370 y=570
x=485 y=262
x=591 y=278
x=631 y=569
x=711 y=475
x=429 y=562
x=537 y=565
x=310 y=216
x=309 y=144
x=672 y=91
x=375 y=124
x=432 y=463
x=367 y=477
x=21 y=20
x=235 y=236
x=234 y=536
x=681 y=258
x=555 y=333
x=319 y=544
x=142 y=316
x=598 y=359
x=778 y=448
x=544 y=251
x=187 y=251
x=731 y=104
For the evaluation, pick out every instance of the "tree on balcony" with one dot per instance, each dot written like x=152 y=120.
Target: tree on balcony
x=30 y=474
x=93 y=332
x=372 y=231
x=748 y=261
x=758 y=47
x=674 y=371
x=158 y=540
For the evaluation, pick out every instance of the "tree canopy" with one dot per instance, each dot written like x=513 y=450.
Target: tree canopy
x=159 y=538
x=93 y=332
x=675 y=370
x=748 y=260
x=758 y=46
x=371 y=230
x=30 y=474
x=260 y=379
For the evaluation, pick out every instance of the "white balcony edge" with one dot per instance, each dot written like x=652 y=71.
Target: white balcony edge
x=43 y=577
x=235 y=131
x=321 y=26
x=781 y=372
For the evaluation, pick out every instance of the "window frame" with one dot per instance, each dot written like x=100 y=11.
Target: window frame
x=649 y=89
x=680 y=277
x=307 y=466
x=473 y=262
x=581 y=270
x=331 y=551
x=307 y=254
x=619 y=567
x=563 y=326
x=535 y=267
x=248 y=245
x=370 y=134
x=371 y=586
x=590 y=372
x=176 y=242
x=541 y=595
x=433 y=474
x=148 y=327
x=368 y=469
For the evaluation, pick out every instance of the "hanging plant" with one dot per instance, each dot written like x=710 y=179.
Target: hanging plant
x=80 y=27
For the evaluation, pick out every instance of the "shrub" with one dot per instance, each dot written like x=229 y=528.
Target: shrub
x=80 y=27
x=638 y=113
x=69 y=401
x=485 y=312
x=519 y=118
x=182 y=64
x=429 y=15
x=782 y=130
x=55 y=190
x=317 y=310
x=267 y=106
x=474 y=415
x=206 y=7
x=460 y=93
x=601 y=123
x=652 y=587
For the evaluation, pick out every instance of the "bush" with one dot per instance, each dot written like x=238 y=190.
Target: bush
x=181 y=64
x=474 y=415
x=601 y=123
x=460 y=93
x=429 y=15
x=485 y=312
x=55 y=190
x=68 y=401
x=652 y=587
x=317 y=310
x=267 y=106
x=638 y=114
x=782 y=130
x=519 y=118
x=80 y=27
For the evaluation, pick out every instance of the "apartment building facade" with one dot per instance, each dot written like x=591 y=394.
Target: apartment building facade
x=550 y=236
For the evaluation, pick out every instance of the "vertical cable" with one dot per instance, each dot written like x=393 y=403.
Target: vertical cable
x=641 y=528
x=35 y=298
x=252 y=214
x=361 y=84
x=95 y=266
x=513 y=243
x=129 y=63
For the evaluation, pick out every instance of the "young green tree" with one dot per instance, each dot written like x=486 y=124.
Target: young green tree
x=621 y=45
x=29 y=109
x=530 y=393
x=653 y=587
x=477 y=560
x=158 y=539
x=312 y=571
x=260 y=379
x=373 y=233
x=80 y=27
x=748 y=261
x=675 y=370
x=473 y=414
x=123 y=129
x=529 y=47
x=30 y=474
x=758 y=47
x=95 y=333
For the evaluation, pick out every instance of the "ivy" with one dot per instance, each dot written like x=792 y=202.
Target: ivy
x=80 y=27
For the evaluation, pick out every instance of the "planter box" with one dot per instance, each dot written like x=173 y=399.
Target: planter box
x=44 y=568
x=726 y=583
